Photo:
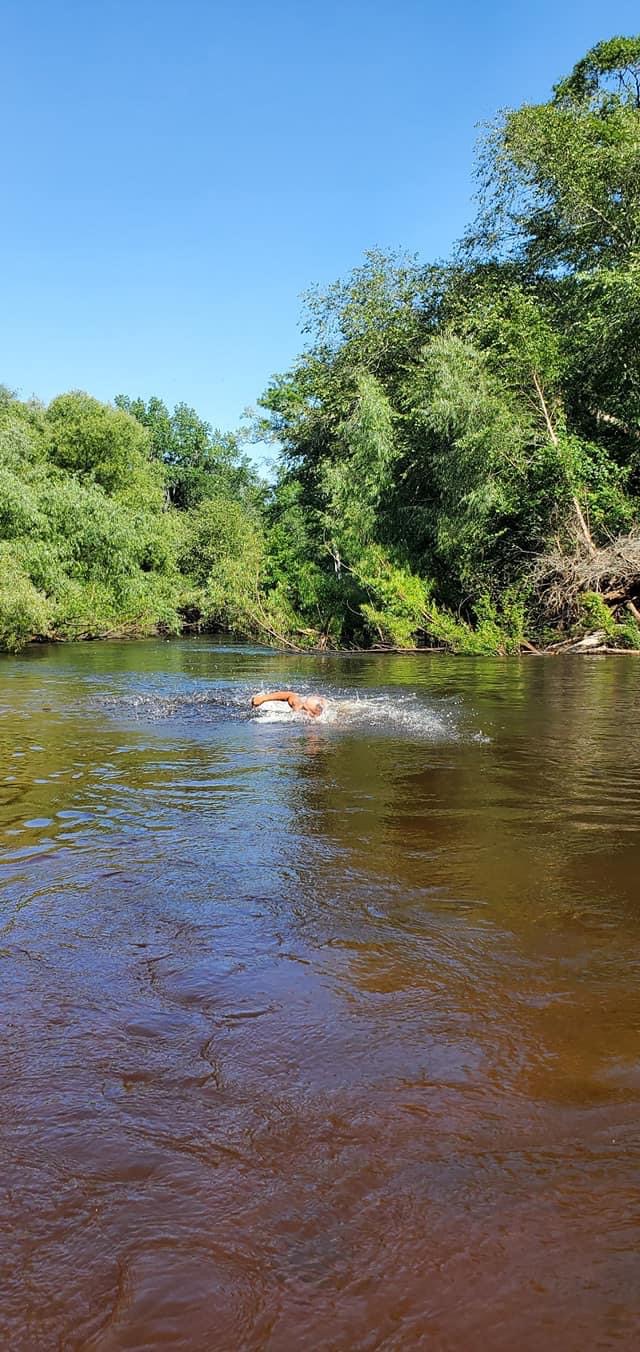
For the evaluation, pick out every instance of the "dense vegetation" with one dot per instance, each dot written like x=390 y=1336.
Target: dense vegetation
x=121 y=519
x=460 y=442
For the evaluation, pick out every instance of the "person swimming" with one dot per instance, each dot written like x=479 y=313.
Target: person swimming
x=301 y=704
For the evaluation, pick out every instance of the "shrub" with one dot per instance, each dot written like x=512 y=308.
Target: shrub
x=25 y=612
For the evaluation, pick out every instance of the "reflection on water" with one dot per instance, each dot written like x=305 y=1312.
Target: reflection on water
x=318 y=1033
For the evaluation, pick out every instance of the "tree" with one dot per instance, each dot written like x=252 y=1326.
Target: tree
x=559 y=181
x=460 y=442
x=448 y=425
x=98 y=442
x=198 y=462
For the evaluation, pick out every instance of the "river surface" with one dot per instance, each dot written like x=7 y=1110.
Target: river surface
x=318 y=1034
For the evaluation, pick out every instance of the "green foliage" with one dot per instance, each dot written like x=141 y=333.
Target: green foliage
x=610 y=509
x=355 y=479
x=295 y=561
x=399 y=602
x=401 y=608
x=20 y=512
x=90 y=542
x=476 y=441
x=219 y=530
x=196 y=461
x=223 y=558
x=448 y=425
x=596 y=615
x=628 y=634
x=24 y=611
x=612 y=66
x=97 y=442
x=22 y=433
x=446 y=430
x=559 y=180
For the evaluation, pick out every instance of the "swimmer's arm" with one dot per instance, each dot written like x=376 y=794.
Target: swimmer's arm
x=287 y=696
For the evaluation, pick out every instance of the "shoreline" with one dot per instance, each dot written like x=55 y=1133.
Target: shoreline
x=583 y=647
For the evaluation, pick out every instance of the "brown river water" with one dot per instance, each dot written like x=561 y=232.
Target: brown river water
x=318 y=1035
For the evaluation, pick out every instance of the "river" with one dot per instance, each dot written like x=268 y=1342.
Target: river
x=320 y=1034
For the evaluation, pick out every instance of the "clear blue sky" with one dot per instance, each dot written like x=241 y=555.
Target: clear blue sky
x=175 y=175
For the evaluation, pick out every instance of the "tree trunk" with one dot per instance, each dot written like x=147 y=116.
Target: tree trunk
x=555 y=441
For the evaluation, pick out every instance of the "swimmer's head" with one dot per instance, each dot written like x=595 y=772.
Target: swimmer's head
x=314 y=706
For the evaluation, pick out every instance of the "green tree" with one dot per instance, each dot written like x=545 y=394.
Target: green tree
x=97 y=442
x=198 y=462
x=447 y=425
x=559 y=180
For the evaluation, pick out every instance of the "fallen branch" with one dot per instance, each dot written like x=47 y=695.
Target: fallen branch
x=612 y=572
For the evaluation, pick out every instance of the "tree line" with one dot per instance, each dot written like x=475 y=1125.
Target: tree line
x=459 y=442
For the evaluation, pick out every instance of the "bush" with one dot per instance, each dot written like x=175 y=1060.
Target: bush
x=96 y=441
x=24 y=612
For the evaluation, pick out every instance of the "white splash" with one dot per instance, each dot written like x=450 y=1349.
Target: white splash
x=402 y=713
x=276 y=711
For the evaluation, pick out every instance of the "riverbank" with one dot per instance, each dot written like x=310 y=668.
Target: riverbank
x=589 y=644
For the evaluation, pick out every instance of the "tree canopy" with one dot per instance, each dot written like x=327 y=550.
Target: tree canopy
x=459 y=441
x=454 y=425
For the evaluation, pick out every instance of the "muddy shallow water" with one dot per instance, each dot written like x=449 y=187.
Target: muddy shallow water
x=318 y=1034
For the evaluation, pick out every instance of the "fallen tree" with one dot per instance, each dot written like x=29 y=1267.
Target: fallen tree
x=597 y=588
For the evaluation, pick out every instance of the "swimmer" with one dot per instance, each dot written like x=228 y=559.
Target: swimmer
x=301 y=704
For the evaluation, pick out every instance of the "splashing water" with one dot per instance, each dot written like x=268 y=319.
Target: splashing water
x=402 y=714
x=212 y=706
x=398 y=713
